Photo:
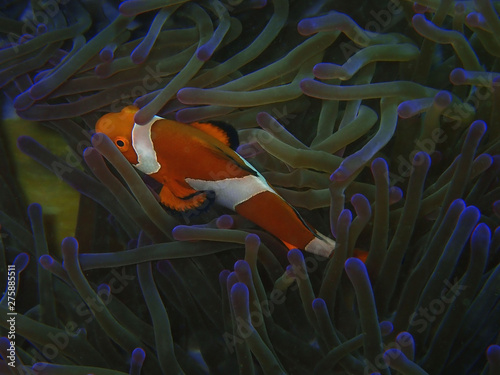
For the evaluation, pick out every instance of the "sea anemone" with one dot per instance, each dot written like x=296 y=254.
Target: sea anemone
x=378 y=121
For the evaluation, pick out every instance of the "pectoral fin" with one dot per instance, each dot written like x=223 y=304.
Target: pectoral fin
x=184 y=198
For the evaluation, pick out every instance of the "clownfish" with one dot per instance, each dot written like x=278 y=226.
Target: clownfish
x=195 y=161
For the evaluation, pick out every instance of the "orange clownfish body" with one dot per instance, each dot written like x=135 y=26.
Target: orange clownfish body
x=194 y=161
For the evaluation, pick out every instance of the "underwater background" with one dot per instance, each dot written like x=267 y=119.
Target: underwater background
x=378 y=120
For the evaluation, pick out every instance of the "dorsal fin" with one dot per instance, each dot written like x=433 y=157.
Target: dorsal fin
x=220 y=130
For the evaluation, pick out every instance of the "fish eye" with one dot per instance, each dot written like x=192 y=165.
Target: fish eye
x=121 y=143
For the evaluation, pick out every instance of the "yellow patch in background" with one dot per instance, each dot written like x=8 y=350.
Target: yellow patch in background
x=58 y=200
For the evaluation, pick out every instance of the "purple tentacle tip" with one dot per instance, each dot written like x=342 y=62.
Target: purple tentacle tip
x=477 y=128
x=295 y=257
x=289 y=271
x=103 y=70
x=187 y=95
x=143 y=116
x=178 y=233
x=35 y=210
x=262 y=118
x=232 y=279
x=306 y=27
x=386 y=327
x=379 y=164
x=239 y=290
x=345 y=218
x=420 y=158
x=138 y=355
x=104 y=290
x=443 y=99
x=361 y=205
x=358 y=198
x=164 y=266
x=354 y=265
x=137 y=360
x=471 y=213
x=204 y=53
x=340 y=174
x=41 y=28
x=223 y=275
x=129 y=8
x=475 y=19
x=4 y=343
x=241 y=267
x=225 y=222
x=252 y=241
x=240 y=299
x=418 y=20
x=481 y=236
x=457 y=204
x=394 y=357
x=493 y=354
x=46 y=261
x=21 y=261
x=139 y=54
x=458 y=76
x=395 y=194
x=24 y=143
x=318 y=304
x=406 y=109
x=405 y=339
x=70 y=245
x=23 y=101
x=496 y=208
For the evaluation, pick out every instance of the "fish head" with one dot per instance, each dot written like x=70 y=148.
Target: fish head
x=118 y=127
